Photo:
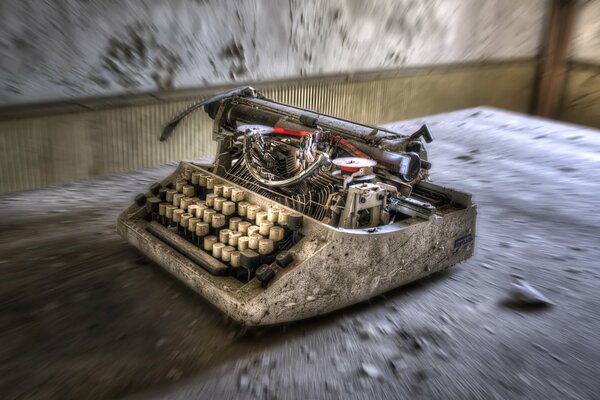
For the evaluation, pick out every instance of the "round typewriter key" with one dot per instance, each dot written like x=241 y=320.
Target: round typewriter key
x=193 y=209
x=152 y=204
x=185 y=203
x=243 y=208
x=162 y=211
x=162 y=194
x=276 y=233
x=217 y=221
x=253 y=229
x=218 y=189
x=192 y=224
x=202 y=229
x=155 y=188
x=234 y=222
x=252 y=210
x=235 y=259
x=180 y=184
x=227 y=191
x=224 y=235
x=188 y=191
x=228 y=208
x=265 y=246
x=273 y=214
x=170 y=194
x=210 y=200
x=261 y=217
x=209 y=242
x=283 y=217
x=237 y=195
x=169 y=213
x=177 y=199
x=203 y=180
x=187 y=172
x=210 y=183
x=185 y=220
x=200 y=210
x=243 y=242
x=217 y=249
x=218 y=203
x=199 y=202
x=265 y=228
x=253 y=241
x=177 y=215
x=226 y=253
x=196 y=178
x=207 y=215
x=243 y=227
x=234 y=237
x=295 y=221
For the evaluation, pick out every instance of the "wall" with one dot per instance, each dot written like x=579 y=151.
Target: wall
x=582 y=93
x=402 y=58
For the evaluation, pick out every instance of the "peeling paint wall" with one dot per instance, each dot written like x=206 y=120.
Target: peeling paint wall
x=581 y=103
x=72 y=48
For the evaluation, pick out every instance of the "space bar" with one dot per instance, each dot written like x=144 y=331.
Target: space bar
x=190 y=251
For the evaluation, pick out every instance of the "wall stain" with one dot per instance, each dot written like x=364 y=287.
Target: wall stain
x=234 y=53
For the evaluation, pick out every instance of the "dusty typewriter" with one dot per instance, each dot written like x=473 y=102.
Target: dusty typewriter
x=300 y=213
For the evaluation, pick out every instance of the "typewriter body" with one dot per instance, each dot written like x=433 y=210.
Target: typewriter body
x=300 y=213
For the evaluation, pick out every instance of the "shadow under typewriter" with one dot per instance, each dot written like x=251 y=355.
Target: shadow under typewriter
x=263 y=263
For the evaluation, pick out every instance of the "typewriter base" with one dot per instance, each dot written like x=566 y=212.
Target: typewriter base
x=332 y=273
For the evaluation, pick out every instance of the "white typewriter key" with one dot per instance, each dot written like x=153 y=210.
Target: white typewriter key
x=218 y=189
x=253 y=229
x=217 y=221
x=188 y=173
x=218 y=205
x=170 y=194
x=202 y=229
x=169 y=211
x=261 y=217
x=188 y=191
x=192 y=224
x=207 y=215
x=227 y=191
x=210 y=200
x=196 y=178
x=252 y=210
x=185 y=219
x=179 y=185
x=226 y=253
x=228 y=208
x=195 y=200
x=243 y=227
x=273 y=214
x=265 y=228
x=185 y=203
x=276 y=233
x=234 y=222
x=199 y=202
x=177 y=215
x=193 y=209
x=234 y=237
x=224 y=235
x=243 y=208
x=203 y=180
x=217 y=249
x=282 y=217
x=162 y=209
x=243 y=243
x=237 y=195
x=253 y=241
x=210 y=183
x=177 y=199
x=209 y=242
x=200 y=210
x=234 y=260
x=265 y=246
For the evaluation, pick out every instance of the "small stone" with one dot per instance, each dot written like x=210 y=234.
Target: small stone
x=310 y=298
x=523 y=294
x=398 y=364
x=244 y=382
x=371 y=371
x=486 y=266
x=161 y=342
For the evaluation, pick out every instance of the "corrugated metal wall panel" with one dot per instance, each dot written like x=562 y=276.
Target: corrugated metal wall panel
x=50 y=149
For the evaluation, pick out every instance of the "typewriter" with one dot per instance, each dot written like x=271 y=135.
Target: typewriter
x=300 y=213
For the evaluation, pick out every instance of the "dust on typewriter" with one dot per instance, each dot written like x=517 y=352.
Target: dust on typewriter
x=300 y=213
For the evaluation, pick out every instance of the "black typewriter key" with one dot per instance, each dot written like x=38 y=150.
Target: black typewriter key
x=162 y=194
x=264 y=274
x=155 y=188
x=152 y=205
x=140 y=199
x=284 y=258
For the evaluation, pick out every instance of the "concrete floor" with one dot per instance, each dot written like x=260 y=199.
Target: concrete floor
x=83 y=315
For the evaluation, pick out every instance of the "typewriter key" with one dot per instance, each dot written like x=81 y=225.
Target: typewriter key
x=217 y=250
x=218 y=203
x=243 y=227
x=177 y=199
x=162 y=194
x=261 y=217
x=273 y=214
x=234 y=237
x=180 y=184
x=243 y=243
x=185 y=202
x=202 y=229
x=234 y=260
x=218 y=189
x=237 y=195
x=224 y=235
x=243 y=208
x=251 y=212
x=210 y=200
x=276 y=233
x=228 y=208
x=169 y=214
x=170 y=194
x=226 y=253
x=217 y=221
x=265 y=228
x=282 y=218
x=193 y=209
x=234 y=222
x=188 y=191
x=253 y=241
x=265 y=246
x=207 y=215
x=209 y=242
x=200 y=210
x=227 y=191
x=154 y=189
